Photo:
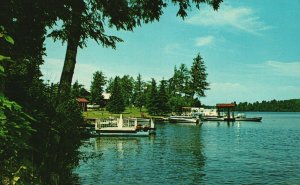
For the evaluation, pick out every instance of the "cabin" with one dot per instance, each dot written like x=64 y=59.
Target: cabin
x=82 y=103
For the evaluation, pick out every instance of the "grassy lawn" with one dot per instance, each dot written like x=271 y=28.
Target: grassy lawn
x=102 y=113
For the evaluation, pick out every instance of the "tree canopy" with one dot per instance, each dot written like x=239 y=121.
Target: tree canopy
x=198 y=82
x=139 y=97
x=163 y=98
x=83 y=20
x=78 y=90
x=116 y=102
x=183 y=89
x=97 y=88
x=292 y=105
x=152 y=98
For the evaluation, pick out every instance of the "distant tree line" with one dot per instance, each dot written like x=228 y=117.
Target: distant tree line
x=292 y=105
x=184 y=88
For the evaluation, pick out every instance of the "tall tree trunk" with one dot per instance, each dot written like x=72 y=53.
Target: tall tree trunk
x=74 y=34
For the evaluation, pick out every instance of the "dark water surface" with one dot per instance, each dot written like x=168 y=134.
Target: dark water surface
x=213 y=153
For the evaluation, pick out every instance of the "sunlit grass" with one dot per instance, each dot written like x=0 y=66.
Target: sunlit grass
x=129 y=112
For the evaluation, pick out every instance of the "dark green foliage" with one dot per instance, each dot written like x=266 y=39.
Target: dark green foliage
x=116 y=103
x=78 y=90
x=198 y=83
x=187 y=86
x=109 y=85
x=179 y=82
x=15 y=133
x=24 y=86
x=197 y=103
x=57 y=136
x=292 y=105
x=177 y=102
x=127 y=85
x=152 y=98
x=67 y=139
x=139 y=97
x=163 y=99
x=97 y=88
x=20 y=17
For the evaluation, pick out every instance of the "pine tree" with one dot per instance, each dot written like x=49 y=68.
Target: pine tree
x=163 y=99
x=152 y=98
x=97 y=88
x=109 y=86
x=127 y=84
x=116 y=103
x=78 y=90
x=179 y=81
x=179 y=89
x=198 y=83
x=183 y=79
x=139 y=98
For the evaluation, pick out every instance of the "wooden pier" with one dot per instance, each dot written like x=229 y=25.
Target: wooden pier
x=229 y=108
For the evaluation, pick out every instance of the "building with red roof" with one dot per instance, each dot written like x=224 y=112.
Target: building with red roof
x=83 y=103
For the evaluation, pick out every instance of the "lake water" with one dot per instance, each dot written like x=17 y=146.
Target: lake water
x=212 y=153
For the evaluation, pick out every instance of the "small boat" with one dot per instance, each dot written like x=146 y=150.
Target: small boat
x=146 y=124
x=184 y=119
x=242 y=117
x=212 y=118
x=122 y=127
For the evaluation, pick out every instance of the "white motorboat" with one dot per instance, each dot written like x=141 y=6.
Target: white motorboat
x=242 y=117
x=184 y=119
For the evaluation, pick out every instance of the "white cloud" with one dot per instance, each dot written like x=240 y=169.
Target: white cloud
x=203 y=41
x=278 y=68
x=52 y=69
x=242 y=18
x=284 y=68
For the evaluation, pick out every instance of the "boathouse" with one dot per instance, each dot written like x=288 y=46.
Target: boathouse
x=82 y=103
x=228 y=108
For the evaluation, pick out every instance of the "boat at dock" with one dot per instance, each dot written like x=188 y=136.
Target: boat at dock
x=239 y=117
x=184 y=119
x=212 y=118
x=123 y=127
x=242 y=117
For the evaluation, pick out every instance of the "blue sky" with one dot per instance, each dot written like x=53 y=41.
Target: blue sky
x=251 y=49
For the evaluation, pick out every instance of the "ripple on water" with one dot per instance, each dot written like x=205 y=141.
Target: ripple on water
x=214 y=153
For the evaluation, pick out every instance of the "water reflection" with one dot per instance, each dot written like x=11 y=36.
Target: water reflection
x=244 y=153
x=219 y=123
x=175 y=155
x=198 y=150
x=183 y=152
x=118 y=146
